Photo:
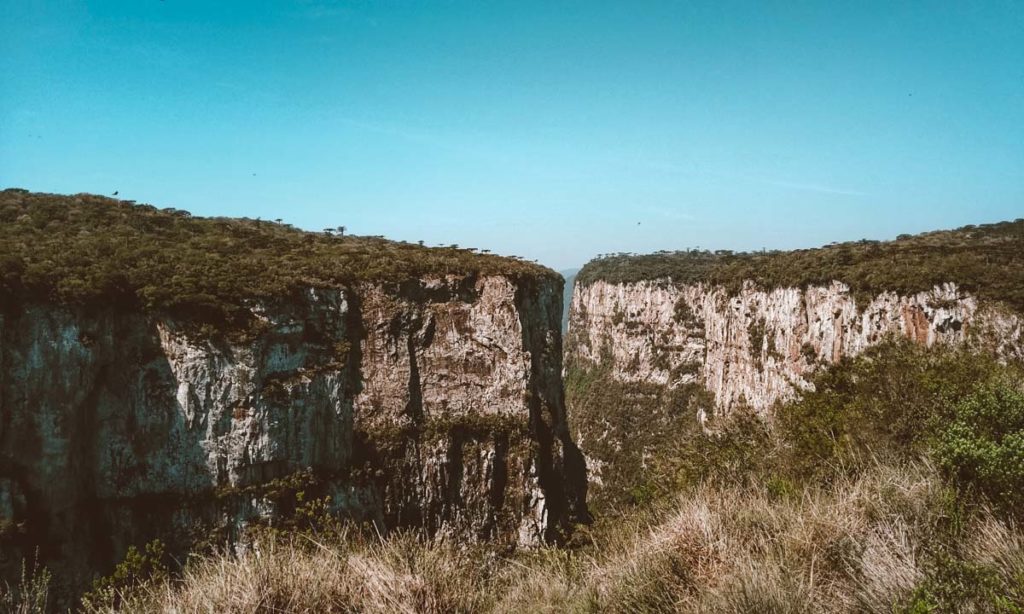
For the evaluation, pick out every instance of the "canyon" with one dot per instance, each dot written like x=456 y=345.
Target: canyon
x=205 y=381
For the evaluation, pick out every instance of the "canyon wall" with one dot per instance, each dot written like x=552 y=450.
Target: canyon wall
x=757 y=347
x=434 y=403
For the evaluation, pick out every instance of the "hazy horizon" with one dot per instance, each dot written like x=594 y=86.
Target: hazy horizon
x=550 y=131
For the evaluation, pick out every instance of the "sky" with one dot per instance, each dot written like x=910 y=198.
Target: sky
x=550 y=130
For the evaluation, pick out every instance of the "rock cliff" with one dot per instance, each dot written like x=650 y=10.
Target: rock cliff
x=431 y=402
x=751 y=328
x=661 y=347
x=758 y=346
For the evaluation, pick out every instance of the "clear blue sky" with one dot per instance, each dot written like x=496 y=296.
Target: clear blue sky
x=543 y=129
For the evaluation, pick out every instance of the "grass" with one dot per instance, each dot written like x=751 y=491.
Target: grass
x=870 y=544
x=32 y=593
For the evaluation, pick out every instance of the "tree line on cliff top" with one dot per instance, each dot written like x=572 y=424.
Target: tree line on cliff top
x=87 y=250
x=986 y=260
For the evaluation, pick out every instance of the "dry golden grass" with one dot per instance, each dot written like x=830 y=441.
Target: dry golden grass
x=859 y=545
x=854 y=547
x=305 y=575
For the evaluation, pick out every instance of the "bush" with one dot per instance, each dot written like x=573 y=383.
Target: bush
x=649 y=443
x=887 y=402
x=31 y=595
x=136 y=571
x=952 y=584
x=738 y=452
x=983 y=446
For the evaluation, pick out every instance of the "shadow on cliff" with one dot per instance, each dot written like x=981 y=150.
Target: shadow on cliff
x=563 y=476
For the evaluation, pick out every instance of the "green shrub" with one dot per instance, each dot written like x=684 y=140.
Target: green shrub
x=684 y=316
x=650 y=442
x=952 y=584
x=32 y=594
x=983 y=446
x=137 y=570
x=757 y=332
x=737 y=452
x=630 y=428
x=809 y=353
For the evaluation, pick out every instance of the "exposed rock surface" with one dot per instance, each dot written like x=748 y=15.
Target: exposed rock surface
x=759 y=347
x=434 y=403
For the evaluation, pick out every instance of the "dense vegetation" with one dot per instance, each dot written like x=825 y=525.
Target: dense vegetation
x=898 y=401
x=88 y=250
x=987 y=260
x=893 y=404
x=897 y=408
x=642 y=439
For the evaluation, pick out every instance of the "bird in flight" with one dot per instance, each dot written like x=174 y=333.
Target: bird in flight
x=115 y=193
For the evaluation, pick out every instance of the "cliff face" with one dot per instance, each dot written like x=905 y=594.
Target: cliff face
x=433 y=403
x=759 y=347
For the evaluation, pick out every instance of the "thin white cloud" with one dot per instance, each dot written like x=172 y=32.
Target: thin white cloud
x=670 y=214
x=810 y=187
x=318 y=9
x=695 y=169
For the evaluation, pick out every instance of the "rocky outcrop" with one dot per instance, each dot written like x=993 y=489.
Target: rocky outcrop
x=757 y=347
x=434 y=403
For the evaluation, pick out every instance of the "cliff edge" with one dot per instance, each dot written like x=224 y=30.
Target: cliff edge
x=182 y=378
x=752 y=328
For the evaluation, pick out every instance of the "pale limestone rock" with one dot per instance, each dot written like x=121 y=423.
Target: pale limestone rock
x=761 y=347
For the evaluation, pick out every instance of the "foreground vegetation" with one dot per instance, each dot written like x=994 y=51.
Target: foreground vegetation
x=894 y=539
x=86 y=250
x=894 y=487
x=986 y=260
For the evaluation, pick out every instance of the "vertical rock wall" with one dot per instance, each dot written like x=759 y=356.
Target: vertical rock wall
x=435 y=403
x=758 y=347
